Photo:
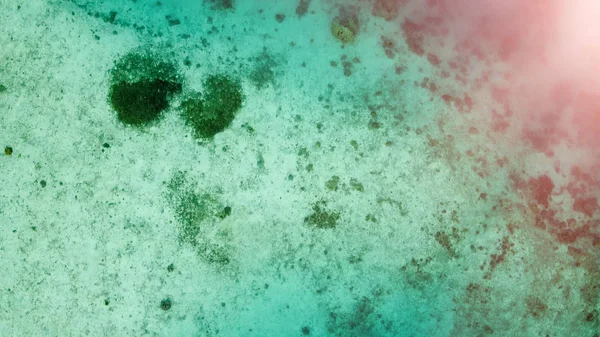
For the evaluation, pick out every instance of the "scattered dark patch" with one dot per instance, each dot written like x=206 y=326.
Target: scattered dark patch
x=193 y=210
x=496 y=259
x=302 y=8
x=477 y=311
x=260 y=161
x=356 y=185
x=8 y=150
x=172 y=20
x=225 y=212
x=374 y=125
x=535 y=306
x=198 y=216
x=322 y=217
x=248 y=128
x=445 y=241
x=416 y=274
x=279 y=17
x=590 y=290
x=450 y=238
x=263 y=70
x=220 y=4
x=361 y=321
x=389 y=47
x=3 y=88
x=204 y=42
x=347 y=68
x=398 y=205
x=111 y=17
x=214 y=254
x=333 y=183
x=387 y=9
x=136 y=66
x=591 y=316
x=303 y=153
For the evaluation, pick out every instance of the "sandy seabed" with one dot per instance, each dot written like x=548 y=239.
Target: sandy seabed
x=397 y=184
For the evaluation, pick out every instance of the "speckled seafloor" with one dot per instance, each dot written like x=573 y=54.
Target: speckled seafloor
x=353 y=193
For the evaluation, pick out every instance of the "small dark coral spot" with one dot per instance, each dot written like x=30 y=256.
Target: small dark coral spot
x=225 y=212
x=166 y=304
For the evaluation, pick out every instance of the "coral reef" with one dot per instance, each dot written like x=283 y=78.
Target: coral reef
x=140 y=86
x=345 y=26
x=214 y=111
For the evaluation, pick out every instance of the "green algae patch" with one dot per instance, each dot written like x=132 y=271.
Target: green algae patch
x=199 y=217
x=322 y=217
x=213 y=111
x=333 y=184
x=141 y=84
x=214 y=254
x=141 y=102
x=193 y=209
x=356 y=185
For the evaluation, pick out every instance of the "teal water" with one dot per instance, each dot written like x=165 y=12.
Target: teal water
x=292 y=168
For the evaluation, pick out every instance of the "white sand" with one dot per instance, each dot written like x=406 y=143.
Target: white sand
x=104 y=230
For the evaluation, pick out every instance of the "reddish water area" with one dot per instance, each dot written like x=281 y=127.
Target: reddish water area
x=523 y=78
x=526 y=76
x=523 y=73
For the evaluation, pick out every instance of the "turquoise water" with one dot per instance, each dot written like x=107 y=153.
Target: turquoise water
x=292 y=168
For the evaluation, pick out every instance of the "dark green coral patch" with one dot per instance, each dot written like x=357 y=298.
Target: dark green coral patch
x=141 y=84
x=214 y=111
x=141 y=102
x=136 y=66
x=322 y=217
